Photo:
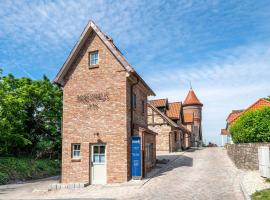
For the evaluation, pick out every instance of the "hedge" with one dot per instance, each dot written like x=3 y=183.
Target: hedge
x=252 y=126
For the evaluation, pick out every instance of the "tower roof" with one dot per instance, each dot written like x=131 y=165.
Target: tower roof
x=192 y=99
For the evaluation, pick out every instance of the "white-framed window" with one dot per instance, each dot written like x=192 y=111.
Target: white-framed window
x=99 y=154
x=93 y=58
x=149 y=152
x=76 y=150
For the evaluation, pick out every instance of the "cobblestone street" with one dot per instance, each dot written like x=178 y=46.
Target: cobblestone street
x=206 y=174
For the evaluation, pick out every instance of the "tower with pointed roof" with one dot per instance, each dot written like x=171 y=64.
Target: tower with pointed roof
x=192 y=112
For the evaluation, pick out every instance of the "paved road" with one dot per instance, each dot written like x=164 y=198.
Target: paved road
x=206 y=174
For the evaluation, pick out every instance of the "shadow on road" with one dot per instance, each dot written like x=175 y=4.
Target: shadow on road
x=194 y=149
x=175 y=162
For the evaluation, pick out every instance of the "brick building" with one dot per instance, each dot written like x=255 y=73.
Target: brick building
x=165 y=119
x=192 y=115
x=178 y=125
x=104 y=105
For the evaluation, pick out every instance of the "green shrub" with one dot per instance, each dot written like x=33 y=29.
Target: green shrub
x=3 y=178
x=252 y=126
x=13 y=169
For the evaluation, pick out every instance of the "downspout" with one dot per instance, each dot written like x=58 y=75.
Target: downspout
x=131 y=106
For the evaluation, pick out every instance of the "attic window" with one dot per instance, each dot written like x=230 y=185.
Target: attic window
x=93 y=58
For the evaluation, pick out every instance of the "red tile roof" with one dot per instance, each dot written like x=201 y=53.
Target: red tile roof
x=174 y=110
x=260 y=103
x=166 y=118
x=159 y=102
x=188 y=117
x=192 y=99
x=233 y=115
x=224 y=132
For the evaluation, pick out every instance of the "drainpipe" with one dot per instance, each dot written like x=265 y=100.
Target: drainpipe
x=131 y=105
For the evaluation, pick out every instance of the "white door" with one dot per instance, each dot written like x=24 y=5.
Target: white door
x=98 y=164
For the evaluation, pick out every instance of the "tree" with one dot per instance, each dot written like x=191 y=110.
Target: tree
x=253 y=126
x=30 y=116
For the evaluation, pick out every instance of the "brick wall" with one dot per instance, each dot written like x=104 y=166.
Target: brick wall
x=99 y=121
x=139 y=117
x=81 y=123
x=150 y=139
x=245 y=155
x=165 y=140
x=196 y=111
x=163 y=136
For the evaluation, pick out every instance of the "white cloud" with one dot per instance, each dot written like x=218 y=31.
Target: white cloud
x=179 y=41
x=232 y=79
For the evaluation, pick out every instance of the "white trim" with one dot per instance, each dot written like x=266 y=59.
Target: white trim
x=104 y=163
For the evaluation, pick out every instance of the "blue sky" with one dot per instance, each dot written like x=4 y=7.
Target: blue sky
x=222 y=47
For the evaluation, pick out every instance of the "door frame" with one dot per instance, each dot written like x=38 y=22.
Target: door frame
x=91 y=145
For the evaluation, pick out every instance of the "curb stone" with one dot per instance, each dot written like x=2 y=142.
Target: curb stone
x=243 y=189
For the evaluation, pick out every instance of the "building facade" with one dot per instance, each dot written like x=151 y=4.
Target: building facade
x=192 y=112
x=178 y=125
x=104 y=106
x=171 y=133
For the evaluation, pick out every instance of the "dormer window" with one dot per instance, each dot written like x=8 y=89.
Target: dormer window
x=162 y=109
x=93 y=58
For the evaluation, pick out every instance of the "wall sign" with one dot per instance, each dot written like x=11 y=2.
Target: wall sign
x=93 y=100
x=136 y=156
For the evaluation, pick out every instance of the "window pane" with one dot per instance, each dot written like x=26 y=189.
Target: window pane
x=96 y=158
x=95 y=149
x=102 y=150
x=77 y=153
x=94 y=58
x=102 y=158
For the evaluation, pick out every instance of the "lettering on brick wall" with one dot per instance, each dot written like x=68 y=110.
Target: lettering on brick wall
x=93 y=100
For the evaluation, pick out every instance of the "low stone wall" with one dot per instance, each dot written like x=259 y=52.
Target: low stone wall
x=245 y=155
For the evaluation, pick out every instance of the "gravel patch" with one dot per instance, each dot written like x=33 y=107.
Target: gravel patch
x=252 y=182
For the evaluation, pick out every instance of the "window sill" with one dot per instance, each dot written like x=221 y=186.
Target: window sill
x=75 y=160
x=93 y=66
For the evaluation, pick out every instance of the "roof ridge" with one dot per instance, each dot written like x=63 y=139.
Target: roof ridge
x=158 y=99
x=176 y=102
x=162 y=114
x=248 y=108
x=91 y=26
x=168 y=119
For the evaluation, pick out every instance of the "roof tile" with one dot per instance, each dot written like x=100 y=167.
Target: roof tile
x=260 y=103
x=174 y=110
x=224 y=132
x=192 y=99
x=159 y=102
x=188 y=117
